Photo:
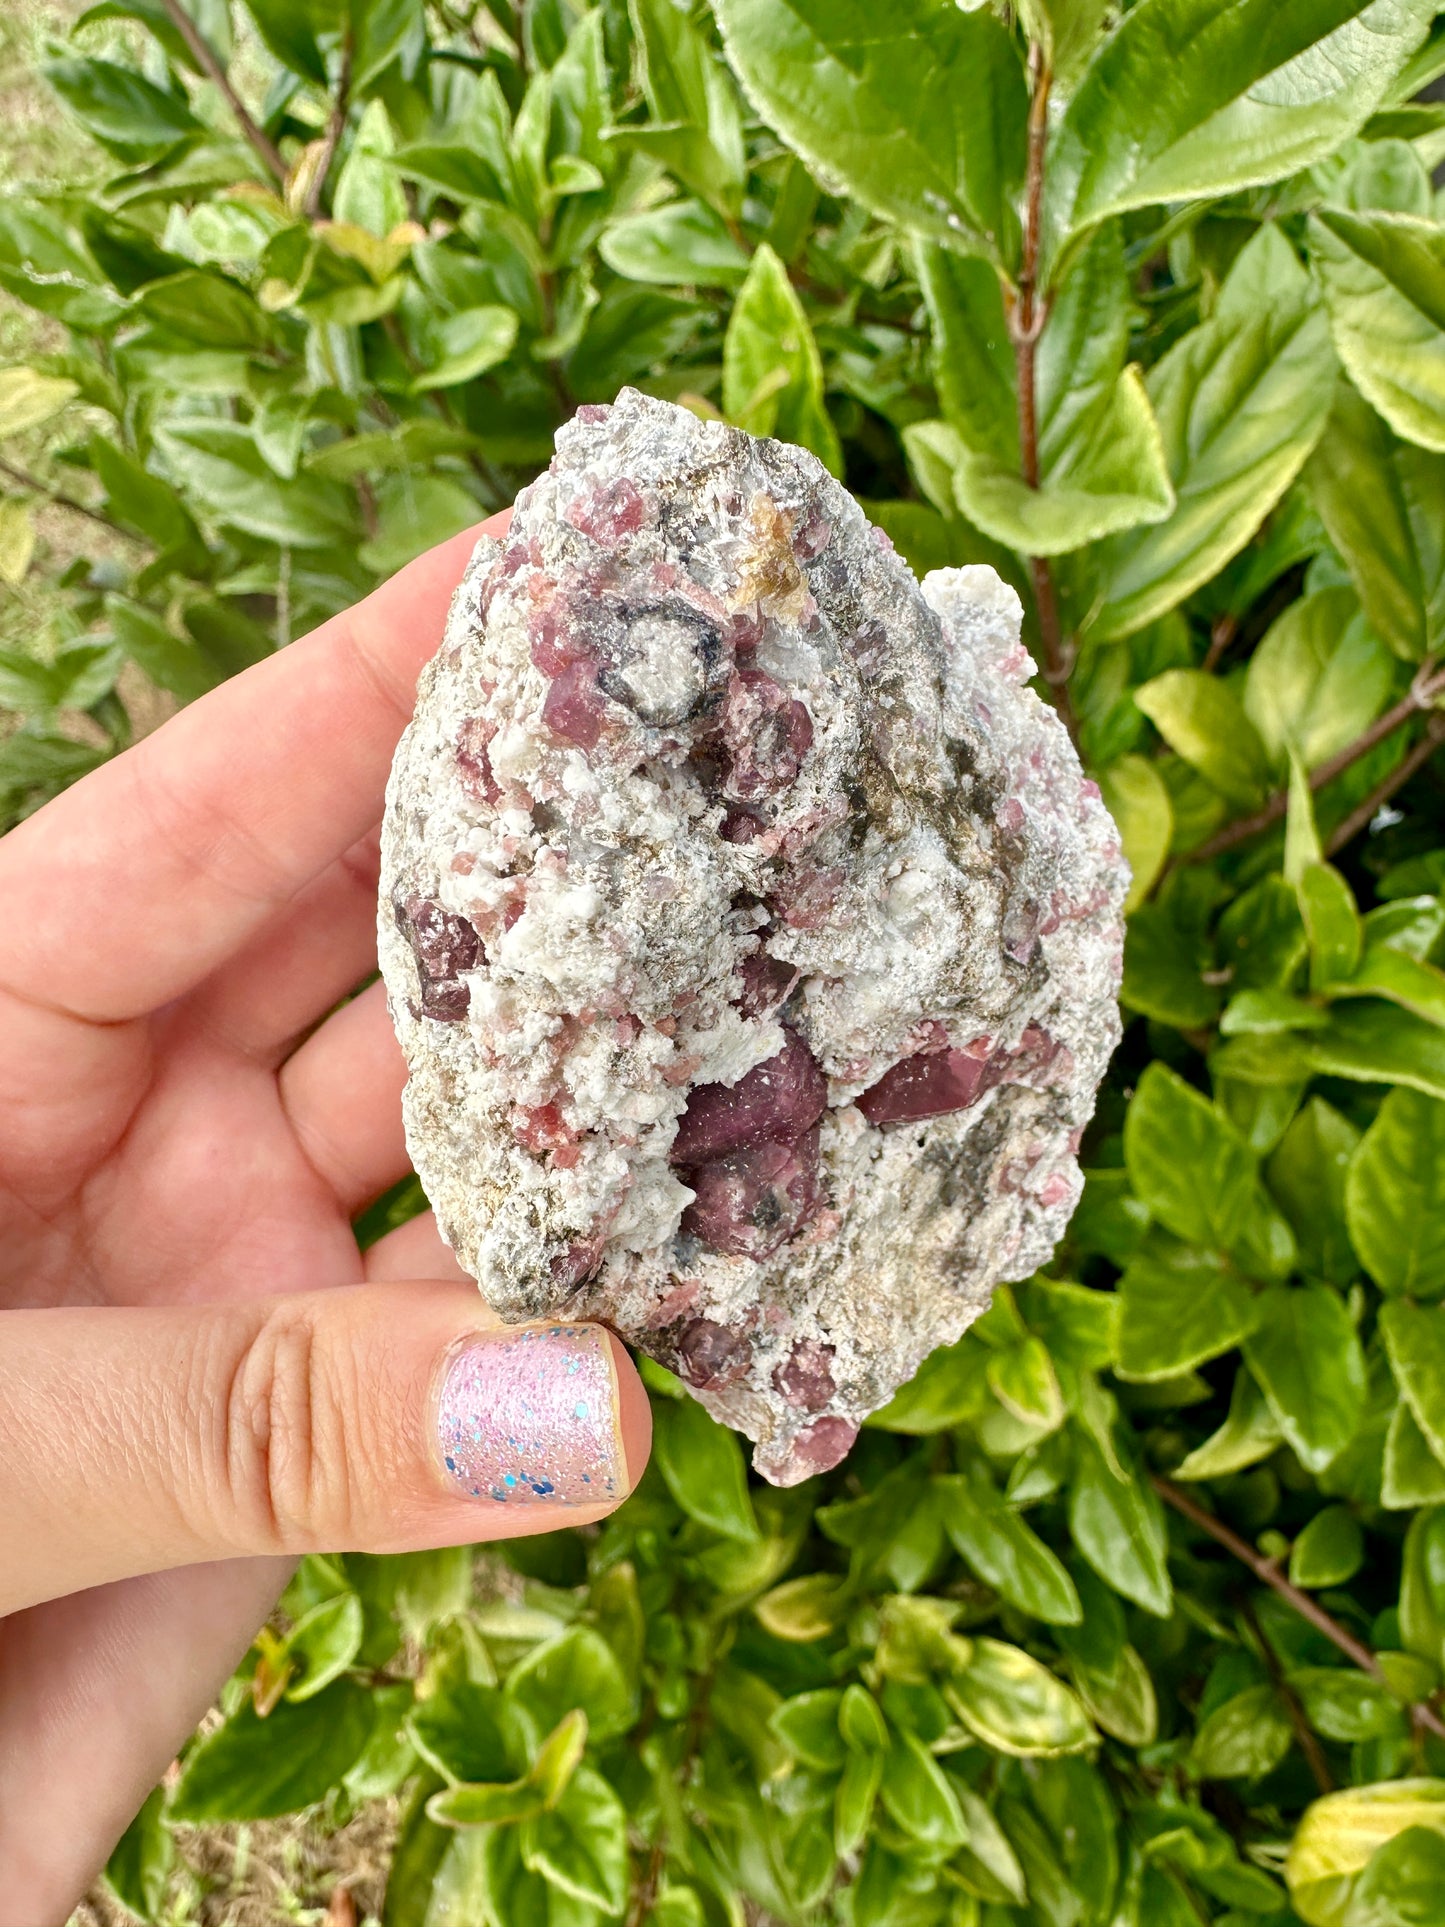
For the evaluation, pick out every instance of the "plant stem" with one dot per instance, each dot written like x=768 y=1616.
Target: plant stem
x=204 y=55
x=1360 y=816
x=1027 y=315
x=1428 y=684
x=1220 y=636
x=1309 y=1740
x=24 y=479
x=1270 y=1575
x=335 y=127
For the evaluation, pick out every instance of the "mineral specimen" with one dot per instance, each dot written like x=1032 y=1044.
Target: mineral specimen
x=749 y=927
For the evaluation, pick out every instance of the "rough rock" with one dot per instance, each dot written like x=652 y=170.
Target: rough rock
x=749 y=927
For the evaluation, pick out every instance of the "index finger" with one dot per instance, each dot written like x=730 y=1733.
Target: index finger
x=136 y=883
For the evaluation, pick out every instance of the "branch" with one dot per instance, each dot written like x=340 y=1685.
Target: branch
x=1220 y=636
x=61 y=500
x=1361 y=815
x=1027 y=315
x=1309 y=1740
x=205 y=58
x=1428 y=684
x=335 y=127
x=1270 y=1575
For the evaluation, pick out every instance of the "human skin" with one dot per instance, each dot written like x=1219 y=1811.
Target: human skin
x=201 y=1377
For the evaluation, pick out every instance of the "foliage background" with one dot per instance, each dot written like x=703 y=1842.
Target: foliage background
x=1130 y=1611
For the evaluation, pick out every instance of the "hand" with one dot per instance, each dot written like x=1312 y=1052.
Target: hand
x=185 y=1136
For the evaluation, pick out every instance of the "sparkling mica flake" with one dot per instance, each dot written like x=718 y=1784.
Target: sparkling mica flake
x=531 y=1415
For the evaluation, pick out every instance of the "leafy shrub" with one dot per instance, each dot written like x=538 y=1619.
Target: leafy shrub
x=1131 y=1608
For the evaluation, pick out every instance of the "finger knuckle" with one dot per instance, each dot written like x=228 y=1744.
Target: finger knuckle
x=285 y=1462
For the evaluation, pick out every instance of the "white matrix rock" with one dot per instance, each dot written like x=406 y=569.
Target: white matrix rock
x=749 y=927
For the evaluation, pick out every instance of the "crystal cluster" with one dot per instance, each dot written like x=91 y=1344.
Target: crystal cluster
x=749 y=927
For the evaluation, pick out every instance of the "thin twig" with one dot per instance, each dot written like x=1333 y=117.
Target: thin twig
x=1309 y=1740
x=1429 y=683
x=1225 y=629
x=24 y=479
x=1270 y=1575
x=1027 y=314
x=1360 y=817
x=207 y=60
x=335 y=127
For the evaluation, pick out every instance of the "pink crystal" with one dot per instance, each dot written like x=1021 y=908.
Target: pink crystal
x=443 y=944
x=750 y=1204
x=613 y=511
x=766 y=982
x=805 y=1377
x=475 y=761
x=776 y=1101
x=575 y=706
x=766 y=732
x=924 y=1086
x=710 y=1355
x=819 y=1447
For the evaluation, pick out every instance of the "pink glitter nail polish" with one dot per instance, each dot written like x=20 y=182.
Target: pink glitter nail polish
x=529 y=1415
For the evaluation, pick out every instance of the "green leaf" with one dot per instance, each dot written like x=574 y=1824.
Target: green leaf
x=1136 y=798
x=1245 y=1737
x=972 y=355
x=130 y=116
x=1186 y=1160
x=807 y=1725
x=1422 y=1587
x=1240 y=400
x=138 y=1870
x=17 y=541
x=209 y=309
x=1376 y=1044
x=1021 y=1377
x=1340 y=1833
x=323 y=1643
x=854 y=1800
x=252 y=1769
x=1163 y=970
x=1189 y=99
x=220 y=462
x=702 y=1464
x=1415 y=1341
x=414 y=513
x=1332 y=924
x=1305 y=1353
x=1395 y=1196
x=1383 y=502
x=1329 y=1551
x=368 y=192
x=1113 y=477
x=772 y=374
x=459 y=347
x=696 y=128
x=1308 y=1175
x=1384 y=280
x=919 y=113
x=1118 y=1526
x=682 y=243
x=919 y=1797
x=949 y=1386
x=1250 y=1433
x=1015 y=1705
x=1402 y=979
x=1004 y=1550
x=1346 y=1705
x=1412 y=1474
x=1178 y=1311
x=459 y=1729
x=580 y=1845
x=1316 y=679
x=28 y=398
x=1202 y=720
x=577 y=1671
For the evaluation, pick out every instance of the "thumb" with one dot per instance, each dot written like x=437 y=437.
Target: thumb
x=380 y=1418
